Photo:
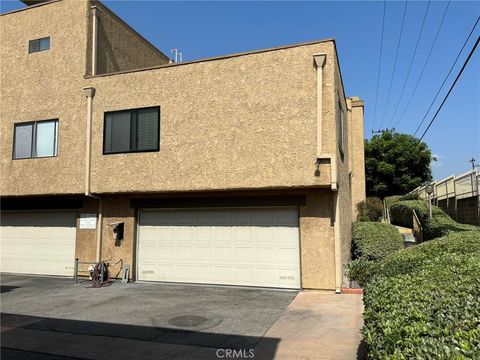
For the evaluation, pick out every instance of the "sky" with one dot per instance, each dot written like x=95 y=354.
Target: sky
x=202 y=29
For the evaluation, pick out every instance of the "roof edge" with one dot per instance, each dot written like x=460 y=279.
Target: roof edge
x=124 y=23
x=28 y=7
x=215 y=58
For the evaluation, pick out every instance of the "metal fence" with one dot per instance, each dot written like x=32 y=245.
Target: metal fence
x=457 y=195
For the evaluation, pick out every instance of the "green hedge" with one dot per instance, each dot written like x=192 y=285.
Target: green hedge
x=441 y=224
x=374 y=241
x=371 y=242
x=424 y=302
x=390 y=200
x=370 y=210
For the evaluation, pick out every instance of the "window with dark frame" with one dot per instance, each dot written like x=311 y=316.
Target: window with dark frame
x=35 y=139
x=135 y=130
x=39 y=45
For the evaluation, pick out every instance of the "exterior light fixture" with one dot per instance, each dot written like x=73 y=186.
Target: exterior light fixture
x=317 y=164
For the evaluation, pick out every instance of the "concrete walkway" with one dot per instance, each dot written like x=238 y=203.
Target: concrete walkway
x=318 y=325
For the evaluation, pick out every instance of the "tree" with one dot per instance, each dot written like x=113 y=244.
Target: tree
x=396 y=164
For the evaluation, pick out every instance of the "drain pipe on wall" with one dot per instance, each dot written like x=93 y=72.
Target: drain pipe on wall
x=94 y=39
x=338 y=245
x=90 y=93
x=319 y=62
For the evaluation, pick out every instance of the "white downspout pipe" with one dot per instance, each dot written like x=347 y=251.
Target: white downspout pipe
x=319 y=60
x=338 y=245
x=94 y=39
x=98 y=252
x=90 y=93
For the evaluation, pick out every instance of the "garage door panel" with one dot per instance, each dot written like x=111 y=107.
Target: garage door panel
x=253 y=247
x=38 y=242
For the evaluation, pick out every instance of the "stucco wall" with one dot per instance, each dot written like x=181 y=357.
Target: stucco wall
x=40 y=86
x=86 y=244
x=235 y=123
x=357 y=154
x=344 y=182
x=118 y=46
x=317 y=241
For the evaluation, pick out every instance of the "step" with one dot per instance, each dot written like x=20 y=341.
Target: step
x=404 y=230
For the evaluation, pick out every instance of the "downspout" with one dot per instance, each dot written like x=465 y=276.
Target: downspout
x=319 y=60
x=90 y=93
x=94 y=39
x=338 y=245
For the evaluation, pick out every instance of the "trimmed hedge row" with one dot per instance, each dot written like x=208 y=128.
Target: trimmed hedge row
x=371 y=242
x=424 y=301
x=374 y=240
x=440 y=225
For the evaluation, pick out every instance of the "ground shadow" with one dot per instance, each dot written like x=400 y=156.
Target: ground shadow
x=123 y=331
x=362 y=351
x=6 y=288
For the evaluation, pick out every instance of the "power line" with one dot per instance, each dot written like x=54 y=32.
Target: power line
x=395 y=63
x=411 y=63
x=446 y=77
x=425 y=64
x=451 y=88
x=379 y=63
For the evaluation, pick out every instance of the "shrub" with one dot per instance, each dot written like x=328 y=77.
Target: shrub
x=441 y=224
x=361 y=270
x=413 y=258
x=371 y=242
x=409 y=197
x=374 y=241
x=370 y=210
x=424 y=302
x=390 y=200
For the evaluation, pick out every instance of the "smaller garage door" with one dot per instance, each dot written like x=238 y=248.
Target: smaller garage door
x=252 y=247
x=40 y=243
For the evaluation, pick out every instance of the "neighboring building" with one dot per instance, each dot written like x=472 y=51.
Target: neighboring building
x=239 y=170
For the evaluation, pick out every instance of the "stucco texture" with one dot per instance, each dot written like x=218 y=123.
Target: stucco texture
x=242 y=122
x=41 y=86
x=118 y=47
x=344 y=177
x=357 y=156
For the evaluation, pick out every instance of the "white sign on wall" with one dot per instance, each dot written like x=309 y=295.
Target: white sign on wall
x=88 y=221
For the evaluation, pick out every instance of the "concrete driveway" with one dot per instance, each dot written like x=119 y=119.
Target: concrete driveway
x=50 y=318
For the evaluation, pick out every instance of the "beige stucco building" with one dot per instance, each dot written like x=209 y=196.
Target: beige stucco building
x=243 y=169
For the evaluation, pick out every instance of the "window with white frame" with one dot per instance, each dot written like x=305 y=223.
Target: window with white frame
x=35 y=139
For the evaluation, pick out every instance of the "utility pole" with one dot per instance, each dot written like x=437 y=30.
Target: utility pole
x=472 y=160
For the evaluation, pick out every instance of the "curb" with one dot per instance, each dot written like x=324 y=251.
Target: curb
x=355 y=291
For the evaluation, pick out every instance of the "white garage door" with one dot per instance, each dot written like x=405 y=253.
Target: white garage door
x=252 y=247
x=38 y=242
